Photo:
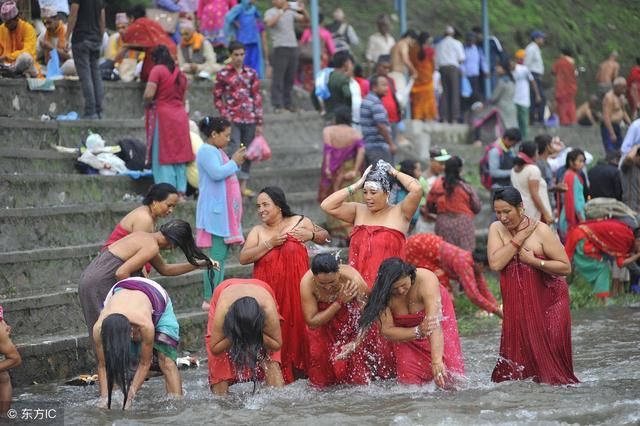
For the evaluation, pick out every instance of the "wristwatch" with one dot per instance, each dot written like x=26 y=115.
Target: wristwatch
x=542 y=263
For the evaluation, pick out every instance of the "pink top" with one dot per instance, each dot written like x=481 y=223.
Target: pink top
x=325 y=35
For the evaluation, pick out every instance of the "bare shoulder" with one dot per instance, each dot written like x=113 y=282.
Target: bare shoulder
x=426 y=279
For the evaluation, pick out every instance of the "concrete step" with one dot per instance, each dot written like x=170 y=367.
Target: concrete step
x=42 y=161
x=40 y=227
x=51 y=189
x=58 y=311
x=122 y=100
x=59 y=356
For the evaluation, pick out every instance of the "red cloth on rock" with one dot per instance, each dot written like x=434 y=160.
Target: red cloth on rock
x=414 y=357
x=146 y=33
x=220 y=367
x=284 y=267
x=536 y=330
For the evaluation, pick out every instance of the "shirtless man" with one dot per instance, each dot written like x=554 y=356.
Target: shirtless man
x=243 y=335
x=586 y=113
x=136 y=309
x=11 y=360
x=607 y=72
x=401 y=62
x=613 y=113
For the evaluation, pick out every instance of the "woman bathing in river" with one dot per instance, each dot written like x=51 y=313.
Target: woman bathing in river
x=139 y=310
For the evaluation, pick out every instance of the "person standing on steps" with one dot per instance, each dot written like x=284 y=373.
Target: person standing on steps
x=87 y=25
x=533 y=61
x=280 y=20
x=237 y=97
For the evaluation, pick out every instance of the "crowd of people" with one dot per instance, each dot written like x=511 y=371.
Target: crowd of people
x=388 y=313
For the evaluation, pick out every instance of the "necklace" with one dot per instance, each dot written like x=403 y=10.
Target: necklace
x=518 y=229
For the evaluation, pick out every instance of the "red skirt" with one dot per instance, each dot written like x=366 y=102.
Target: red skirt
x=220 y=366
x=414 y=357
x=284 y=267
x=536 y=330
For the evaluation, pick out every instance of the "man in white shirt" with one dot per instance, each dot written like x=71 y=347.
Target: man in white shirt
x=380 y=43
x=449 y=56
x=533 y=61
x=524 y=80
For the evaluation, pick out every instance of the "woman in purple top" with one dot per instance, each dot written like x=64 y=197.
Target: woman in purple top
x=342 y=160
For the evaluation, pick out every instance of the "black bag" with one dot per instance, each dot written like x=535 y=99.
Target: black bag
x=133 y=153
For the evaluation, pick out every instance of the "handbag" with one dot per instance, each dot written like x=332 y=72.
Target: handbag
x=258 y=150
x=167 y=20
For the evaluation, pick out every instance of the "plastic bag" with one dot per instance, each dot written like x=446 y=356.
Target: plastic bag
x=53 y=66
x=259 y=150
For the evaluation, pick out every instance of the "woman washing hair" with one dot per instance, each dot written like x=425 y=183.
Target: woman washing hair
x=135 y=310
x=126 y=257
x=243 y=335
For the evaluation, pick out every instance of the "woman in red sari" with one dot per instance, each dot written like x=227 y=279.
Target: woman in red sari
x=536 y=330
x=379 y=228
x=416 y=313
x=167 y=123
x=633 y=89
x=276 y=248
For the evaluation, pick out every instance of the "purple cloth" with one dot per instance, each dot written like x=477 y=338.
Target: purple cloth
x=337 y=157
x=157 y=299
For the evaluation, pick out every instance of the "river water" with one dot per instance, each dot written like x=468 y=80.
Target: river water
x=606 y=345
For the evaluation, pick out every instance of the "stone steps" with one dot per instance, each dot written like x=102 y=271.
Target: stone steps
x=54 y=189
x=44 y=161
x=58 y=356
x=122 y=100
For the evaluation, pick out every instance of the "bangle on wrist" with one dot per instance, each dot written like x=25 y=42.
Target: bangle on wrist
x=516 y=245
x=416 y=333
x=350 y=190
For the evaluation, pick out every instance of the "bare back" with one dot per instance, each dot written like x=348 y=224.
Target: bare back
x=397 y=65
x=133 y=304
x=138 y=219
x=134 y=243
x=608 y=71
x=340 y=136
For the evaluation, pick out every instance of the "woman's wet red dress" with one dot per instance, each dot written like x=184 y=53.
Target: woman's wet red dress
x=536 y=330
x=283 y=268
x=370 y=245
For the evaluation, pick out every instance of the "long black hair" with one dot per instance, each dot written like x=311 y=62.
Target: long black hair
x=572 y=156
x=390 y=271
x=116 y=341
x=158 y=192
x=243 y=326
x=452 y=177
x=179 y=233
x=161 y=56
x=209 y=124
x=509 y=195
x=423 y=38
x=527 y=148
x=324 y=263
x=277 y=196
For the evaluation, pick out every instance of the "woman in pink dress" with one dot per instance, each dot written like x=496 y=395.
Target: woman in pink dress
x=416 y=313
x=536 y=329
x=211 y=19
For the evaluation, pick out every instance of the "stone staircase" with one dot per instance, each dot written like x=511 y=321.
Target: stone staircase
x=53 y=220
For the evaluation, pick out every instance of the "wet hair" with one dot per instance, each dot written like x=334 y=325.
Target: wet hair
x=529 y=148
x=116 y=341
x=513 y=134
x=572 y=156
x=452 y=176
x=408 y=167
x=390 y=271
x=209 y=124
x=509 y=195
x=480 y=255
x=324 y=263
x=236 y=45
x=422 y=40
x=162 y=56
x=343 y=115
x=543 y=142
x=179 y=233
x=243 y=325
x=340 y=59
x=411 y=34
x=277 y=196
x=158 y=192
x=137 y=11
x=380 y=174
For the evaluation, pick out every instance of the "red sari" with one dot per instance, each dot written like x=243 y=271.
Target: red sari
x=146 y=34
x=326 y=341
x=414 y=357
x=536 y=330
x=284 y=267
x=370 y=245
